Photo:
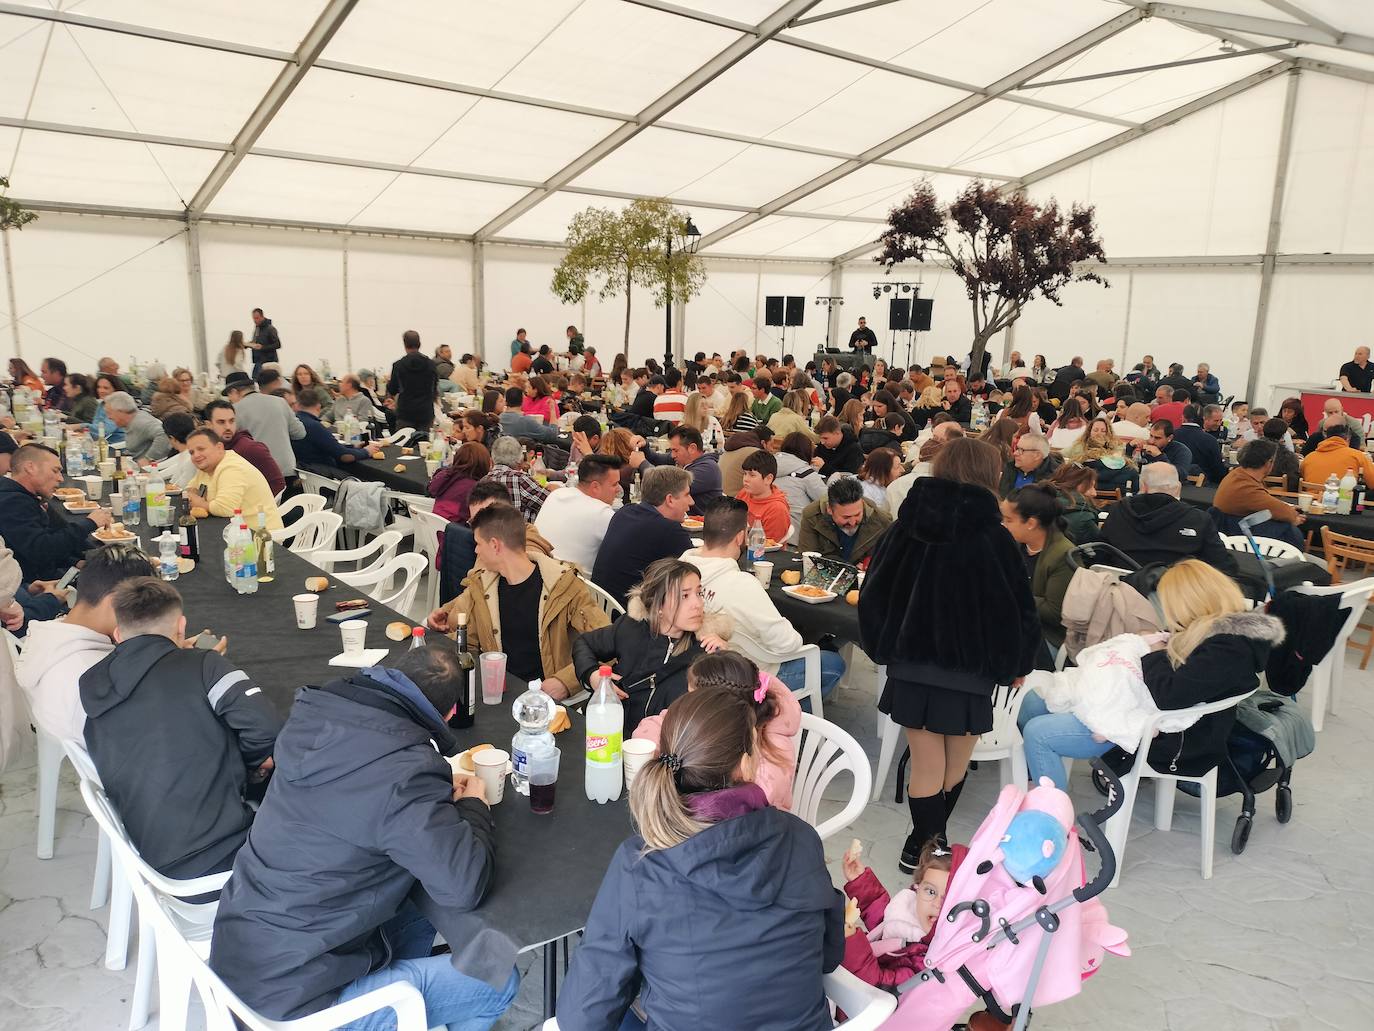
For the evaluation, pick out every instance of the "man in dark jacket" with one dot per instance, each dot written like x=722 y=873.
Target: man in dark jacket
x=1162 y=447
x=1177 y=380
x=1205 y=448
x=640 y=534
x=54 y=373
x=1065 y=378
x=838 y=450
x=316 y=911
x=1154 y=526
x=318 y=446
x=223 y=419
x=1031 y=462
x=414 y=384
x=45 y=544
x=177 y=734
x=688 y=452
x=265 y=341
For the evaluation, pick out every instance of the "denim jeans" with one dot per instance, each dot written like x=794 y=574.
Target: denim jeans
x=454 y=1000
x=793 y=674
x=1052 y=736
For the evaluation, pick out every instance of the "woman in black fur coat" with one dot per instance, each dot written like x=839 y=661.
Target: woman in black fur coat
x=946 y=606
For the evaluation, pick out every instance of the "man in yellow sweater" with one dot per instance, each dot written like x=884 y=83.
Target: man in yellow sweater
x=225 y=481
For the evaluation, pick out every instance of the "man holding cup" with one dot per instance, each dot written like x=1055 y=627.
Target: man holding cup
x=529 y=606
x=317 y=912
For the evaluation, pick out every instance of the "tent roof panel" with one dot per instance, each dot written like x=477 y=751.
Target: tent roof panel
x=873 y=191
x=496 y=137
x=674 y=164
x=803 y=97
x=555 y=48
x=549 y=220
x=425 y=203
x=262 y=23
x=952 y=38
x=70 y=169
x=783 y=237
x=1331 y=55
x=266 y=187
x=1006 y=138
x=1343 y=14
x=91 y=77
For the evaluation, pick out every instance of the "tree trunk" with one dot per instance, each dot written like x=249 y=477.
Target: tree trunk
x=980 y=346
x=628 y=288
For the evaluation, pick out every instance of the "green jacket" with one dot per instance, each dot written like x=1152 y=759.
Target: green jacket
x=1049 y=585
x=763 y=410
x=818 y=531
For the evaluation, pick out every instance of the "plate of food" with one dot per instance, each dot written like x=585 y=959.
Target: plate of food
x=771 y=545
x=114 y=533
x=693 y=523
x=79 y=505
x=68 y=492
x=809 y=594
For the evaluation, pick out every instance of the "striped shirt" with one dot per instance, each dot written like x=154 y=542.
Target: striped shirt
x=669 y=406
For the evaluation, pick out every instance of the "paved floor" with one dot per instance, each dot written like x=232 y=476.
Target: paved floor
x=1279 y=940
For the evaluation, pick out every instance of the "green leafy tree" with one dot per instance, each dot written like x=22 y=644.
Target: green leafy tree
x=1007 y=249
x=612 y=252
x=12 y=216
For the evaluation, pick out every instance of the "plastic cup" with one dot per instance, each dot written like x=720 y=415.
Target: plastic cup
x=1304 y=502
x=491 y=765
x=93 y=486
x=431 y=467
x=107 y=469
x=307 y=608
x=808 y=558
x=354 y=633
x=543 y=781
x=764 y=571
x=493 y=666
x=635 y=755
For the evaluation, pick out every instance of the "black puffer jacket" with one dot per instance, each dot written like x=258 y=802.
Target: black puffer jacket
x=946 y=599
x=648 y=674
x=846 y=458
x=1227 y=663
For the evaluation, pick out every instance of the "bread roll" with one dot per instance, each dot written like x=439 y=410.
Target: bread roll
x=397 y=631
x=317 y=583
x=462 y=762
x=852 y=597
x=560 y=721
x=791 y=577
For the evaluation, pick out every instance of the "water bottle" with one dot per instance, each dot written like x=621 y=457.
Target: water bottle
x=132 y=502
x=231 y=544
x=1331 y=493
x=246 y=570
x=757 y=542
x=159 y=513
x=533 y=710
x=605 y=732
x=167 y=543
x=1346 y=499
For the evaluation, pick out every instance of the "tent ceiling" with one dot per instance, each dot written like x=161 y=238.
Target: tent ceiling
x=789 y=127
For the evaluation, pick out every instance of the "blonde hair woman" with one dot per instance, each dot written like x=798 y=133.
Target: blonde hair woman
x=791 y=417
x=233 y=357
x=852 y=415
x=738 y=417
x=696 y=808
x=1102 y=451
x=698 y=414
x=620 y=442
x=1212 y=649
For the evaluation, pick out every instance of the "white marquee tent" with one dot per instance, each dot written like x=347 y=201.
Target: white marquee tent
x=359 y=167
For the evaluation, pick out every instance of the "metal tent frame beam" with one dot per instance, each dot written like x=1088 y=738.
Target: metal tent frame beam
x=328 y=23
x=1002 y=86
x=1223 y=21
x=751 y=39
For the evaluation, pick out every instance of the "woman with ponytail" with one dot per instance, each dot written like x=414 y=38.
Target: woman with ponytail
x=1034 y=516
x=719 y=912
x=777 y=716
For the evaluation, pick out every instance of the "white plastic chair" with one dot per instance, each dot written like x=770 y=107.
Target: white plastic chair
x=374 y=553
x=1325 y=680
x=400 y=438
x=314 y=483
x=613 y=609
x=307 y=503
x=1119 y=826
x=378 y=581
x=1268 y=546
x=809 y=652
x=182 y=961
x=865 y=1007
x=313 y=532
x=823 y=752
x=427 y=526
x=131 y=873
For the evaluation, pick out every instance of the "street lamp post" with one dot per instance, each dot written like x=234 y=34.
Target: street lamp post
x=691 y=240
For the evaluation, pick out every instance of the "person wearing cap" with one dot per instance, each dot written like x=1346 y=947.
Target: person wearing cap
x=268 y=420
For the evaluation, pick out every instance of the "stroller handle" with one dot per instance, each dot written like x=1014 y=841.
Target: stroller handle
x=1091 y=823
x=1087 y=554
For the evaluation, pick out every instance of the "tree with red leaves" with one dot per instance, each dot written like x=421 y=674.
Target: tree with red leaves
x=1006 y=248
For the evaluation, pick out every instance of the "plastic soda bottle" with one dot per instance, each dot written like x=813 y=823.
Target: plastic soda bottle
x=605 y=732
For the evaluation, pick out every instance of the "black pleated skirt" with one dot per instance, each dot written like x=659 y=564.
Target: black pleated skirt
x=939 y=710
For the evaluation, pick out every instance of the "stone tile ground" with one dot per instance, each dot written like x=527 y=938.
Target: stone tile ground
x=1280 y=939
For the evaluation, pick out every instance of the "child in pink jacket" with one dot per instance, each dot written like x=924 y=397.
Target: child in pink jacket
x=779 y=718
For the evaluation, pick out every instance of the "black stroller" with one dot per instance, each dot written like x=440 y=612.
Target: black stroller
x=1255 y=758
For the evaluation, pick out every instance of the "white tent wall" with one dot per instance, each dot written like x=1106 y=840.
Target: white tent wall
x=1329 y=202
x=89 y=287
x=1317 y=317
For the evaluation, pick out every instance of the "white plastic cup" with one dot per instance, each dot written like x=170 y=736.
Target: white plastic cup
x=431 y=467
x=307 y=608
x=764 y=571
x=1304 y=502
x=94 y=486
x=354 y=633
x=107 y=469
x=491 y=765
x=635 y=753
x=809 y=557
x=493 y=668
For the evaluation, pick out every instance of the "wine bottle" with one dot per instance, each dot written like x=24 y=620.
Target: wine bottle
x=467 y=679
x=267 y=559
x=188 y=532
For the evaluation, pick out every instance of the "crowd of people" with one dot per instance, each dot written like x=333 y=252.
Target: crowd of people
x=963 y=530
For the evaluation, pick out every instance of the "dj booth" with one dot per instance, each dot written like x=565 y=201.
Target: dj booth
x=846 y=360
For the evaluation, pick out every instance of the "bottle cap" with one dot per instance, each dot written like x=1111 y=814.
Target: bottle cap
x=461 y=619
x=604 y=671
x=419 y=631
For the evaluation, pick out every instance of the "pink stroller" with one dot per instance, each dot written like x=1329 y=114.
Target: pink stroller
x=1032 y=930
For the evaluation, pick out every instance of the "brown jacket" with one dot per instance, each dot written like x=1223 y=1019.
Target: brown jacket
x=1242 y=493
x=818 y=532
x=566 y=609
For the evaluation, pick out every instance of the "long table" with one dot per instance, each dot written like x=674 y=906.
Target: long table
x=1357 y=524
x=411 y=480
x=525 y=908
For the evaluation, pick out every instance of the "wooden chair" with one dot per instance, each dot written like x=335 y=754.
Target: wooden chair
x=1197 y=480
x=1348 y=559
x=1280 y=482
x=1102 y=498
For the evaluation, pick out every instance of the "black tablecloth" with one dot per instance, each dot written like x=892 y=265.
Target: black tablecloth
x=836 y=617
x=1357 y=524
x=413 y=480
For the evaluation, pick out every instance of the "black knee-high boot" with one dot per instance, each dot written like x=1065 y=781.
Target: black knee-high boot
x=928 y=821
x=952 y=797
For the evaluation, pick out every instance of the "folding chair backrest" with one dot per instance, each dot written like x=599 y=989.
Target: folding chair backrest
x=824 y=751
x=1346 y=555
